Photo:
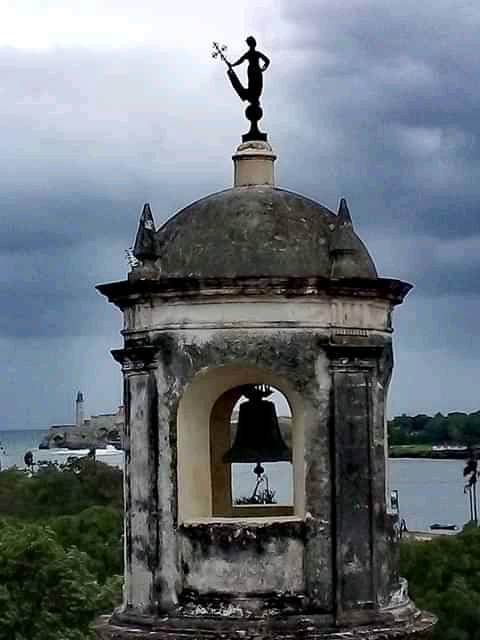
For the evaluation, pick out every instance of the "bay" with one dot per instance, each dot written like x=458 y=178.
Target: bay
x=15 y=443
x=430 y=491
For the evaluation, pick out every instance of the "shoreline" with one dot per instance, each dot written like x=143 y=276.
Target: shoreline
x=418 y=452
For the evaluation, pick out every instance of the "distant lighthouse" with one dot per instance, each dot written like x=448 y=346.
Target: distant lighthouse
x=79 y=410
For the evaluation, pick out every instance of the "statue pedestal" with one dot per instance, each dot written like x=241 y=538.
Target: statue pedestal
x=254 y=113
x=253 y=164
x=254 y=135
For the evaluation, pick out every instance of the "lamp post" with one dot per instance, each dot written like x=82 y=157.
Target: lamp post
x=470 y=473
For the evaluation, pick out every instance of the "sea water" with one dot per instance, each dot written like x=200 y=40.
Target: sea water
x=14 y=445
x=430 y=491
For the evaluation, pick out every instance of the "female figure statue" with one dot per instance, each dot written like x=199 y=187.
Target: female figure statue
x=258 y=62
x=254 y=72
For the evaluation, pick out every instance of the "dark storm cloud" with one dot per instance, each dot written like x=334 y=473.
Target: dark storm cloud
x=394 y=90
x=375 y=101
x=87 y=138
x=387 y=100
x=398 y=82
x=62 y=218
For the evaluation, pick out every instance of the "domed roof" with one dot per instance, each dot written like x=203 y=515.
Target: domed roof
x=256 y=231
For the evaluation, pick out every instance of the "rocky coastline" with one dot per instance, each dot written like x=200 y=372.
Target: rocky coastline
x=93 y=433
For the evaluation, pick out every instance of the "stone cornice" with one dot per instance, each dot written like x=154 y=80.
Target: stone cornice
x=135 y=358
x=128 y=292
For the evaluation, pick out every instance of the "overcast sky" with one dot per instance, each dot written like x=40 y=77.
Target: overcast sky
x=107 y=105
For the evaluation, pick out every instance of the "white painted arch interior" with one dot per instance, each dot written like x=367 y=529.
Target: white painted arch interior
x=194 y=463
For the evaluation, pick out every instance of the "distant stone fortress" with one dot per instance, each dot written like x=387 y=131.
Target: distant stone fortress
x=95 y=432
x=107 y=429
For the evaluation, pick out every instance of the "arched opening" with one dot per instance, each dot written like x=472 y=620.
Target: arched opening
x=204 y=435
x=257 y=480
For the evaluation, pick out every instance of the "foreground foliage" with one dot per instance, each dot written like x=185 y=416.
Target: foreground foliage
x=60 y=549
x=60 y=490
x=46 y=591
x=97 y=531
x=444 y=578
x=61 y=558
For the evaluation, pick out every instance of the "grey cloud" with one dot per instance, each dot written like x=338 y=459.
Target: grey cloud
x=374 y=101
x=41 y=377
x=382 y=75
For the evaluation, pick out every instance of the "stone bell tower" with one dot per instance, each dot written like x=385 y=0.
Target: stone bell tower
x=249 y=287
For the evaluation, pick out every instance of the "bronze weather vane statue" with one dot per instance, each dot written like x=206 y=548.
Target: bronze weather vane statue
x=257 y=64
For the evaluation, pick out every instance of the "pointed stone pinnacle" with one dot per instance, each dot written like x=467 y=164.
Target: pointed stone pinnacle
x=147 y=218
x=144 y=248
x=344 y=213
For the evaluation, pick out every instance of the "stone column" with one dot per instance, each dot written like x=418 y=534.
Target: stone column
x=167 y=575
x=141 y=468
x=355 y=414
x=150 y=540
x=387 y=550
x=318 y=490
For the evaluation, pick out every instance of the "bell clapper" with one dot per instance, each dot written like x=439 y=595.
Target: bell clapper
x=266 y=495
x=259 y=471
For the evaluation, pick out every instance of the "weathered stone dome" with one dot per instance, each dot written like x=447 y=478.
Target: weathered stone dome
x=259 y=230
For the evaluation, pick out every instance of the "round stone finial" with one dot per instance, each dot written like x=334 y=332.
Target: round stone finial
x=253 y=164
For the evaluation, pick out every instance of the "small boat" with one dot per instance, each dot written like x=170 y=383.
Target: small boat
x=443 y=527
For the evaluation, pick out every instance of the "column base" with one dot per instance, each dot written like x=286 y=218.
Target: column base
x=416 y=627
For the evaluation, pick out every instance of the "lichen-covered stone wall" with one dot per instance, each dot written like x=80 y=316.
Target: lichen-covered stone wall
x=251 y=558
x=337 y=560
x=327 y=347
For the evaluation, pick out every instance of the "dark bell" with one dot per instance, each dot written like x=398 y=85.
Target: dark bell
x=258 y=437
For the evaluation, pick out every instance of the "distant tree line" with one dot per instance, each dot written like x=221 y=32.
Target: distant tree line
x=455 y=428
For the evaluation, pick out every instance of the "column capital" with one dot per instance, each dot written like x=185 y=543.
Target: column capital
x=354 y=356
x=135 y=358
